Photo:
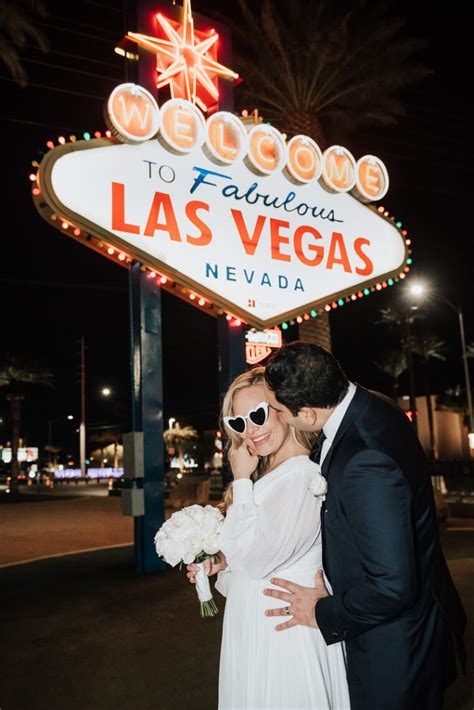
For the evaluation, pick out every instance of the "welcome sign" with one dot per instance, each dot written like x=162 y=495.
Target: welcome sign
x=262 y=228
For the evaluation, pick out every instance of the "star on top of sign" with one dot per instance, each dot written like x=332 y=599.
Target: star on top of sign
x=184 y=61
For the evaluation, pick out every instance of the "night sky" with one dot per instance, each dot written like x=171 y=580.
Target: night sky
x=54 y=290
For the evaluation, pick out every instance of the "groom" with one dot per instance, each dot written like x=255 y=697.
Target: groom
x=394 y=603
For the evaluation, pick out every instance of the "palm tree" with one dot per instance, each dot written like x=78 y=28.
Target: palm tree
x=105 y=438
x=453 y=399
x=17 y=30
x=17 y=377
x=317 y=68
x=181 y=438
x=393 y=364
x=428 y=347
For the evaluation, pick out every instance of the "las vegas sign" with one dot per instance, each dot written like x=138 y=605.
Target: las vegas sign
x=228 y=214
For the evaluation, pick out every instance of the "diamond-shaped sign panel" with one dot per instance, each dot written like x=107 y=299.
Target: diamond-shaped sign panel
x=260 y=246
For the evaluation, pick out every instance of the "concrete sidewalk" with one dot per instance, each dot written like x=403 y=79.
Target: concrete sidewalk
x=83 y=632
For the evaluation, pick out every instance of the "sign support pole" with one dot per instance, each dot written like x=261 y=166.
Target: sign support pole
x=231 y=342
x=147 y=412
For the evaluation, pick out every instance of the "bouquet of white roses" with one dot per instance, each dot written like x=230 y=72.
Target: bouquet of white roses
x=192 y=535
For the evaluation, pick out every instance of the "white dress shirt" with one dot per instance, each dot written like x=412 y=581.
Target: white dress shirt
x=334 y=421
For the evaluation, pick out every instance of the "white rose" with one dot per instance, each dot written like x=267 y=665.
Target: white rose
x=174 y=553
x=184 y=528
x=209 y=526
x=179 y=518
x=213 y=512
x=318 y=485
x=211 y=545
x=161 y=544
x=195 y=543
x=195 y=512
x=165 y=528
x=189 y=557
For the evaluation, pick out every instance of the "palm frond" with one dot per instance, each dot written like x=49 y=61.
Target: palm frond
x=321 y=59
x=18 y=31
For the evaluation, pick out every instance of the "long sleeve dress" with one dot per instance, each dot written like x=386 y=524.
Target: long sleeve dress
x=273 y=529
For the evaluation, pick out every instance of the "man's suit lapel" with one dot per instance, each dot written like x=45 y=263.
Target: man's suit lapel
x=358 y=403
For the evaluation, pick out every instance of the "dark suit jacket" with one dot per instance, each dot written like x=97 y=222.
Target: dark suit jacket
x=394 y=602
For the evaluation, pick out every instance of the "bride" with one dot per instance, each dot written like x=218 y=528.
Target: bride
x=272 y=527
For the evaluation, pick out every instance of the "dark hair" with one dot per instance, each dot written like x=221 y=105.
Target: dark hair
x=305 y=375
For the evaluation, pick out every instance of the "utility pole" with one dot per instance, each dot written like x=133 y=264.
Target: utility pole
x=411 y=372
x=466 y=369
x=82 y=425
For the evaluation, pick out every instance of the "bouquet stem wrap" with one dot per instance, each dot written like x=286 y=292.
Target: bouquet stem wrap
x=191 y=535
x=203 y=589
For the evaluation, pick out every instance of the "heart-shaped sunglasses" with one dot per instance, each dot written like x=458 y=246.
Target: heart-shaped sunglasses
x=257 y=416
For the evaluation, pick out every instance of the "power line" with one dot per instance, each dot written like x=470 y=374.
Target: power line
x=79 y=34
x=55 y=88
x=104 y=7
x=78 y=56
x=50 y=126
x=68 y=21
x=62 y=67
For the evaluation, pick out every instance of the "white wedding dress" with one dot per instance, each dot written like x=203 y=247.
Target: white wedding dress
x=273 y=529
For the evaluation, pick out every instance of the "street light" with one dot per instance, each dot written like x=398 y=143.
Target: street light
x=106 y=391
x=418 y=289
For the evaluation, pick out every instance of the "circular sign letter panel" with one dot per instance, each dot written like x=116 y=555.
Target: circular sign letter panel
x=226 y=137
x=267 y=149
x=371 y=178
x=305 y=160
x=339 y=169
x=133 y=113
x=182 y=125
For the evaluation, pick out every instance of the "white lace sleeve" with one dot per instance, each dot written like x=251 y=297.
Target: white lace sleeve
x=258 y=539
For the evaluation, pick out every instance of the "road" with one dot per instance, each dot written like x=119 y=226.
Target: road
x=84 y=632
x=44 y=525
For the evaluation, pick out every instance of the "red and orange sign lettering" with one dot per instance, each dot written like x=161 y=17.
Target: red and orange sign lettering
x=304 y=159
x=371 y=178
x=133 y=113
x=339 y=168
x=226 y=137
x=182 y=125
x=267 y=149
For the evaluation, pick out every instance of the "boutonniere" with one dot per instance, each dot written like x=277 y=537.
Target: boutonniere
x=318 y=486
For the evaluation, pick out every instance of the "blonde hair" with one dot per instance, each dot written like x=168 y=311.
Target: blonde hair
x=252 y=377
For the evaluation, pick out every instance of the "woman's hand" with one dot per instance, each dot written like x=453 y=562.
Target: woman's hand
x=242 y=462
x=209 y=567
